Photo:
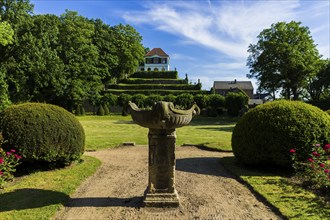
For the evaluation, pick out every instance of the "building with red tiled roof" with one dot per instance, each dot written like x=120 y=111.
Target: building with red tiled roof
x=156 y=60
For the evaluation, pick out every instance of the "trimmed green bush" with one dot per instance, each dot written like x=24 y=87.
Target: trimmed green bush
x=151 y=99
x=154 y=86
x=158 y=92
x=106 y=109
x=139 y=99
x=184 y=100
x=156 y=74
x=328 y=111
x=100 y=111
x=123 y=99
x=169 y=98
x=42 y=132
x=265 y=134
x=201 y=100
x=235 y=102
x=216 y=101
x=110 y=99
x=152 y=81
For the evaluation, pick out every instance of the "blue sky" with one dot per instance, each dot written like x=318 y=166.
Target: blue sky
x=206 y=39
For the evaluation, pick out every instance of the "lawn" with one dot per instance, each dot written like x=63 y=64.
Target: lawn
x=111 y=131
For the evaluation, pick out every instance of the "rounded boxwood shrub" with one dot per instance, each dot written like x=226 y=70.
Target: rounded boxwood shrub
x=328 y=111
x=42 y=132
x=265 y=134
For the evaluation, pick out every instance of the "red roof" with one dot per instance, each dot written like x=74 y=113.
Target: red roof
x=156 y=51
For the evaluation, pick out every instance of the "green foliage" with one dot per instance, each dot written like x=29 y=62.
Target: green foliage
x=110 y=99
x=42 y=132
x=4 y=96
x=319 y=87
x=284 y=58
x=265 y=134
x=328 y=111
x=123 y=99
x=216 y=101
x=139 y=99
x=152 y=99
x=106 y=109
x=8 y=162
x=154 y=86
x=201 y=100
x=152 y=81
x=162 y=92
x=77 y=110
x=156 y=74
x=316 y=169
x=6 y=33
x=184 y=100
x=169 y=98
x=100 y=111
x=235 y=103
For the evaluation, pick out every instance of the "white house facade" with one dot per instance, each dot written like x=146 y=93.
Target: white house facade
x=156 y=60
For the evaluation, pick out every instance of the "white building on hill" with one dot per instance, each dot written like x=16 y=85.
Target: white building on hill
x=156 y=60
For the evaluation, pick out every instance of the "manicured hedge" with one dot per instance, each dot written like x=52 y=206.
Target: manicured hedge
x=156 y=92
x=156 y=74
x=265 y=134
x=42 y=132
x=235 y=102
x=153 y=81
x=155 y=86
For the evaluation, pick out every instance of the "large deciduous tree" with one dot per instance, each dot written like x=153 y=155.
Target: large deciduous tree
x=284 y=59
x=319 y=86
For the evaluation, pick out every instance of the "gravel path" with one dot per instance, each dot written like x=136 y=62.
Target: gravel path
x=205 y=188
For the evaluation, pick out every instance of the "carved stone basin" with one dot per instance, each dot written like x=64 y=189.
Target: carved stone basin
x=162 y=120
x=163 y=115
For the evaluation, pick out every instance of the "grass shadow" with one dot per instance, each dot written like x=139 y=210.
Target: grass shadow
x=27 y=198
x=226 y=129
x=124 y=122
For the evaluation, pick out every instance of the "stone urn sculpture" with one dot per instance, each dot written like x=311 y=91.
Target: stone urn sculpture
x=162 y=120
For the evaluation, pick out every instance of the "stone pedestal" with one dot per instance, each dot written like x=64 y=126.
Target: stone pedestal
x=162 y=120
x=161 y=189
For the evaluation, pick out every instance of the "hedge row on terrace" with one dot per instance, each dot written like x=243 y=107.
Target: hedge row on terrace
x=156 y=74
x=122 y=86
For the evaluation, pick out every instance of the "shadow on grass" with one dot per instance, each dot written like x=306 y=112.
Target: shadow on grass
x=227 y=129
x=124 y=122
x=36 y=198
x=30 y=198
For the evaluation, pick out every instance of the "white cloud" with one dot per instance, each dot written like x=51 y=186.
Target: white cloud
x=226 y=28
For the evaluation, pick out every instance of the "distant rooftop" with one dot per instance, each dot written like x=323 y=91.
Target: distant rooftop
x=156 y=51
x=227 y=85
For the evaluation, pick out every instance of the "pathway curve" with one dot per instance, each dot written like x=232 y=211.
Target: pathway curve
x=205 y=188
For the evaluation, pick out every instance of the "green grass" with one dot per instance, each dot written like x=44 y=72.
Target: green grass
x=40 y=195
x=293 y=201
x=110 y=131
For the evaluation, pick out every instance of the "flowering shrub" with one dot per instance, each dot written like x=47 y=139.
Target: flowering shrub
x=316 y=169
x=8 y=162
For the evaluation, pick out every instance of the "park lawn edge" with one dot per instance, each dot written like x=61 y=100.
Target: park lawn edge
x=40 y=195
x=287 y=200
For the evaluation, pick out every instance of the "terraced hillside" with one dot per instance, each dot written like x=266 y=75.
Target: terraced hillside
x=161 y=83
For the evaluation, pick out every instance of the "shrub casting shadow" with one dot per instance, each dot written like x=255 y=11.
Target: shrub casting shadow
x=228 y=129
x=30 y=198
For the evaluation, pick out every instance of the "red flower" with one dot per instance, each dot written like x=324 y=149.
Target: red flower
x=1 y=174
x=327 y=171
x=1 y=160
x=326 y=147
x=17 y=156
x=322 y=165
x=315 y=153
x=317 y=145
x=12 y=150
x=8 y=153
x=310 y=160
x=292 y=151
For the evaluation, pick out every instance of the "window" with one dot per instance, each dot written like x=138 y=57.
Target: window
x=149 y=69
x=156 y=69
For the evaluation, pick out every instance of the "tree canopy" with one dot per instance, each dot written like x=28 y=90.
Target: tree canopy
x=284 y=59
x=64 y=60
